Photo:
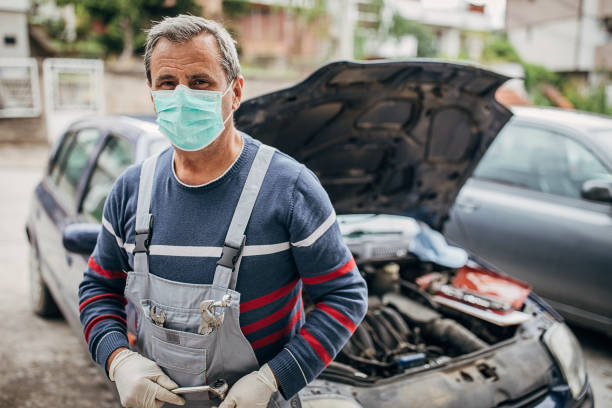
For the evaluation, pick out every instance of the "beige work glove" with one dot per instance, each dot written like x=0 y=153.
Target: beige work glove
x=140 y=382
x=252 y=390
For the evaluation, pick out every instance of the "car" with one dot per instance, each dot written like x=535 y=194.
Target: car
x=392 y=142
x=539 y=207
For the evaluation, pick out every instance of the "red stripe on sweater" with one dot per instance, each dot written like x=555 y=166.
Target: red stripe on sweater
x=271 y=338
x=266 y=299
x=99 y=319
x=102 y=296
x=344 y=269
x=316 y=346
x=341 y=318
x=274 y=317
x=104 y=272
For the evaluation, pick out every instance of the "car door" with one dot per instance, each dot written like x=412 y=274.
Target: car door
x=116 y=155
x=58 y=196
x=522 y=212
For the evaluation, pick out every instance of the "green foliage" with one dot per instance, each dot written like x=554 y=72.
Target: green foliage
x=120 y=19
x=235 y=8
x=55 y=28
x=592 y=100
x=401 y=27
x=537 y=75
x=318 y=9
x=498 y=48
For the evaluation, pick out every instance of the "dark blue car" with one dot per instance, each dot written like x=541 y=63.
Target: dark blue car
x=392 y=143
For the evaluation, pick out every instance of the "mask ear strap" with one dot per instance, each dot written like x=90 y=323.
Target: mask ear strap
x=232 y=111
x=228 y=88
x=228 y=116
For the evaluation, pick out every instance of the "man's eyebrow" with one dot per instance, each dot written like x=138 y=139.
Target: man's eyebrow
x=201 y=76
x=165 y=77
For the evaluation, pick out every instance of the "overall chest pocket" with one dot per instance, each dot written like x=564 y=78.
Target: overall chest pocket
x=179 y=358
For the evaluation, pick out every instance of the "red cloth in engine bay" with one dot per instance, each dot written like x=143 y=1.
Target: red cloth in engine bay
x=490 y=283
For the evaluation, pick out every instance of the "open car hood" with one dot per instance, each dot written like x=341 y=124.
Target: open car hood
x=393 y=137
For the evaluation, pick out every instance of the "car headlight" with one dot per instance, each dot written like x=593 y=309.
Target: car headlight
x=564 y=347
x=328 y=401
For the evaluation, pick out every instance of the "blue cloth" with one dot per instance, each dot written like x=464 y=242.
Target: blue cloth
x=431 y=246
x=293 y=242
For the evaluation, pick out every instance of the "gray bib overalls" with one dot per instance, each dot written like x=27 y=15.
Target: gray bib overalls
x=169 y=315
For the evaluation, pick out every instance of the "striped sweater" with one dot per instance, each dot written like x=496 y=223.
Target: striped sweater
x=293 y=243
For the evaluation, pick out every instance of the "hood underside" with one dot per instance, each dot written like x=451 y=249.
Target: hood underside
x=385 y=137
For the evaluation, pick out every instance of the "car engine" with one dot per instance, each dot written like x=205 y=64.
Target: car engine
x=406 y=328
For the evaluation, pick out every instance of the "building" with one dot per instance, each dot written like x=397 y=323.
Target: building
x=573 y=36
x=14 y=29
x=457 y=25
x=279 y=33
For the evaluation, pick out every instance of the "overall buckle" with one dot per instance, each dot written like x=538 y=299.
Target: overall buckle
x=230 y=254
x=142 y=239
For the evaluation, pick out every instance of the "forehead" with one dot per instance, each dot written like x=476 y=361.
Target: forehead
x=198 y=54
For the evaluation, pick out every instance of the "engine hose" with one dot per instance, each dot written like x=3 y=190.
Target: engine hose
x=397 y=322
x=380 y=330
x=368 y=361
x=337 y=366
x=363 y=341
x=376 y=338
x=421 y=293
x=349 y=347
x=450 y=332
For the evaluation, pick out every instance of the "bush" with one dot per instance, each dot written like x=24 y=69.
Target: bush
x=401 y=27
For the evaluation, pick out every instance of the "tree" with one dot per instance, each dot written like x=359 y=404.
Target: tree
x=401 y=27
x=117 y=24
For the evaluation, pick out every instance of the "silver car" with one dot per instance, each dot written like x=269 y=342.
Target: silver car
x=539 y=207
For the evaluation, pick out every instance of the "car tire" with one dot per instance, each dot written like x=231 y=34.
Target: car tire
x=41 y=301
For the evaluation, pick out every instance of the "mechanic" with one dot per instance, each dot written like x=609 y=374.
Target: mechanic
x=212 y=241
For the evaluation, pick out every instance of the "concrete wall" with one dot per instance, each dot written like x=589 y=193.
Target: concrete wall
x=125 y=93
x=552 y=43
x=13 y=35
x=521 y=13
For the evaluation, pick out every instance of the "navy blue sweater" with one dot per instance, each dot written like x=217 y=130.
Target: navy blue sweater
x=293 y=242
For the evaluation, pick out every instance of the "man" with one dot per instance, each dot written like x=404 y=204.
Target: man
x=215 y=237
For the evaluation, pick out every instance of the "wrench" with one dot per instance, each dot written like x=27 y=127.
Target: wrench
x=219 y=389
x=210 y=318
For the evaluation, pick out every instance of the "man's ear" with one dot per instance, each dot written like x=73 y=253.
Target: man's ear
x=237 y=92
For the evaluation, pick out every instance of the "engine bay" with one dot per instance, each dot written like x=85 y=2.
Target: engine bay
x=422 y=315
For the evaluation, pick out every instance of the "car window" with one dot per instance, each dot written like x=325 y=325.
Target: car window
x=583 y=165
x=60 y=156
x=72 y=159
x=114 y=158
x=539 y=159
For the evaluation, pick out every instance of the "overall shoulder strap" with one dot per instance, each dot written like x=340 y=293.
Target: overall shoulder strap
x=226 y=272
x=144 y=218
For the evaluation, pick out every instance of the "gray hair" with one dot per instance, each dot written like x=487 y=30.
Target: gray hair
x=183 y=28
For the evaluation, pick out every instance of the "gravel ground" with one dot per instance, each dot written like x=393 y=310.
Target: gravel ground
x=44 y=364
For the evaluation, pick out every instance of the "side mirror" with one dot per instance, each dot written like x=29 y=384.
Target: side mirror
x=81 y=238
x=597 y=190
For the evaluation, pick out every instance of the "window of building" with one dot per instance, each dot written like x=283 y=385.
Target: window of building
x=10 y=40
